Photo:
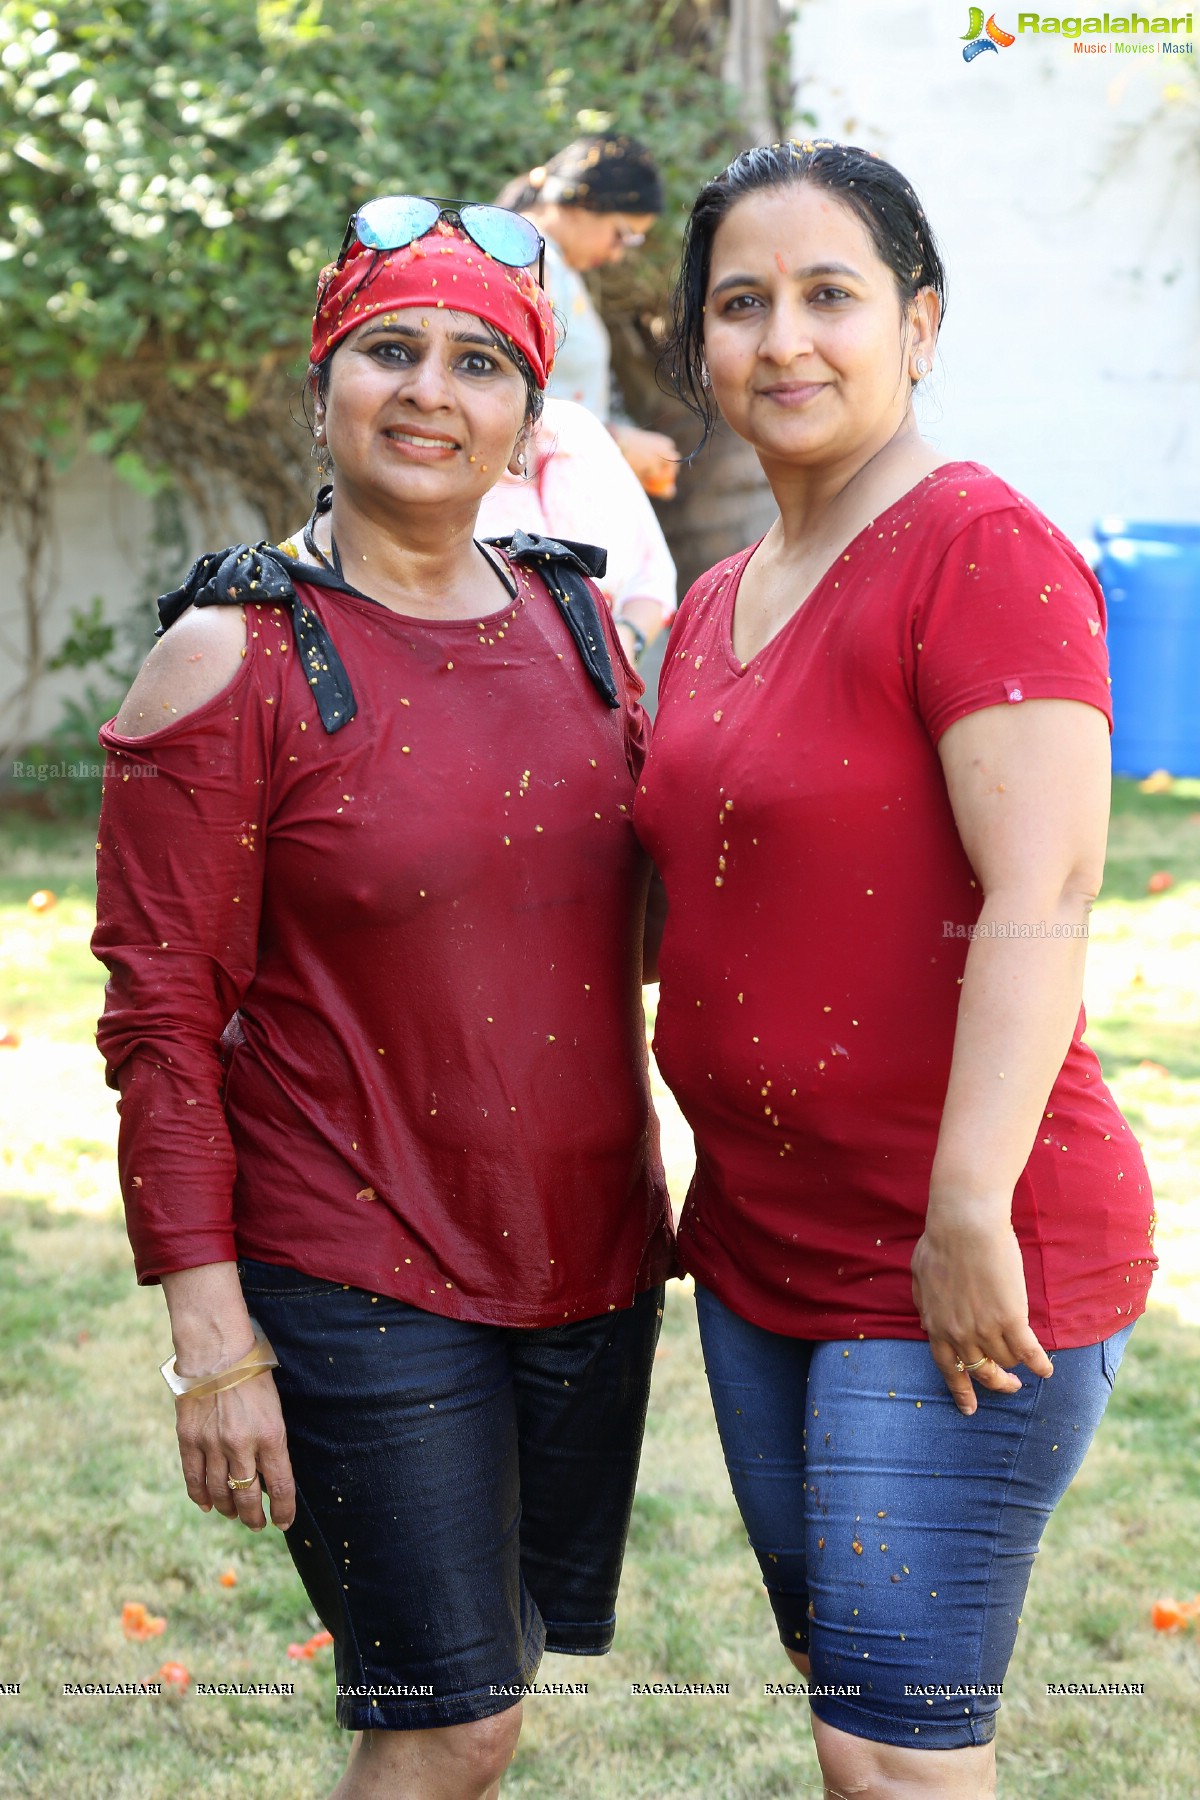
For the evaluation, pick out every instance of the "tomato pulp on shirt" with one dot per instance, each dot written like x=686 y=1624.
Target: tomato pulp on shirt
x=820 y=905
x=428 y=925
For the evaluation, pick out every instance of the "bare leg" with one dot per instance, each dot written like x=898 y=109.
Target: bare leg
x=854 y=1768
x=457 y=1762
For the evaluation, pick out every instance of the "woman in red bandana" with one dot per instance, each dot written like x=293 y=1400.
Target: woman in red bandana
x=374 y=934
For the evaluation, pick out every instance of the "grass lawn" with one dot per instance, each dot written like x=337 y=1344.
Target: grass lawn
x=96 y=1514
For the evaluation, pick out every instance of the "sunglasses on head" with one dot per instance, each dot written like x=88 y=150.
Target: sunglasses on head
x=395 y=220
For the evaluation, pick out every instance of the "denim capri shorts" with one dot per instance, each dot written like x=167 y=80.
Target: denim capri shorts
x=895 y=1536
x=463 y=1490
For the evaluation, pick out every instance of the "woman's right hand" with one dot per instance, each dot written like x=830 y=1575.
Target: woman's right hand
x=238 y=1432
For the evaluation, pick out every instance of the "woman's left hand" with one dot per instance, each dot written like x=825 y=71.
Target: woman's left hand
x=969 y=1289
x=653 y=457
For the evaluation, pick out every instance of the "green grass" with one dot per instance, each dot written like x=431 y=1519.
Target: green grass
x=1143 y=996
x=96 y=1513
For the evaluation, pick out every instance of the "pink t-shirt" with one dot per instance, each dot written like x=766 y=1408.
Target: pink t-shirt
x=583 y=488
x=819 y=907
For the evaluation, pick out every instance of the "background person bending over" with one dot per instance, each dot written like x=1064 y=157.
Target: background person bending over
x=593 y=202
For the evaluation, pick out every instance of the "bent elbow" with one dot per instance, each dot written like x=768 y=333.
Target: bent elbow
x=1082 y=886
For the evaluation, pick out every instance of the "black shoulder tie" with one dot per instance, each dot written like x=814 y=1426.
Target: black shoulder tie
x=566 y=567
x=258 y=575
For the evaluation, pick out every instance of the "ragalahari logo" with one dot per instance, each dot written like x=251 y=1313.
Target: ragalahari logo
x=974 y=40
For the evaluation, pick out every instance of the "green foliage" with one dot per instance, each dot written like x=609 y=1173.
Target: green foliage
x=90 y=639
x=176 y=172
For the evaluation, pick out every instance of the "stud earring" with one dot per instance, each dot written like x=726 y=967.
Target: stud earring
x=922 y=366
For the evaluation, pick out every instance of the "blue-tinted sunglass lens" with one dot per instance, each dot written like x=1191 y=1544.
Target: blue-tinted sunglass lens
x=393 y=221
x=505 y=235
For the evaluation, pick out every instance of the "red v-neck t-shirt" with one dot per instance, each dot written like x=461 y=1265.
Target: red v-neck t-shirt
x=428 y=925
x=820 y=903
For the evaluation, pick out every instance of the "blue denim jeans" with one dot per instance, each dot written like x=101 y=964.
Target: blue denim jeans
x=463 y=1490
x=895 y=1536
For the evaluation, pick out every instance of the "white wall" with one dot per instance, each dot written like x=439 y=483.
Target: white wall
x=95 y=545
x=1065 y=189
x=99 y=543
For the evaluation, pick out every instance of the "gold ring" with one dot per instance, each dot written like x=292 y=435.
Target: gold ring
x=970 y=1368
x=232 y=1482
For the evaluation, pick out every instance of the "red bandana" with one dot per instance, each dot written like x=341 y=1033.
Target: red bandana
x=443 y=268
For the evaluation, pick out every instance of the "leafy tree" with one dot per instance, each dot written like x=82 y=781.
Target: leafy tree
x=177 y=171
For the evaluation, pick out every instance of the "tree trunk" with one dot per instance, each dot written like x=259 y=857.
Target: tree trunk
x=723 y=502
x=751 y=64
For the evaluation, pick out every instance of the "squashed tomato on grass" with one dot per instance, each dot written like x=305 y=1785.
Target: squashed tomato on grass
x=137 y=1623
x=1174 y=1615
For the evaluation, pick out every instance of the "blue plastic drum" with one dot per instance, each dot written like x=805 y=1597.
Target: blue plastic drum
x=1151 y=580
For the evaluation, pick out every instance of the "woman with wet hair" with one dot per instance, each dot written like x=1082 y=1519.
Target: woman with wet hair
x=919 y=1227
x=593 y=202
x=374 y=937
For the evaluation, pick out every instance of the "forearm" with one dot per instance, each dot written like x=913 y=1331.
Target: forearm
x=1018 y=1007
x=238 y=1431
x=175 y=1157
x=646 y=614
x=210 y=1325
